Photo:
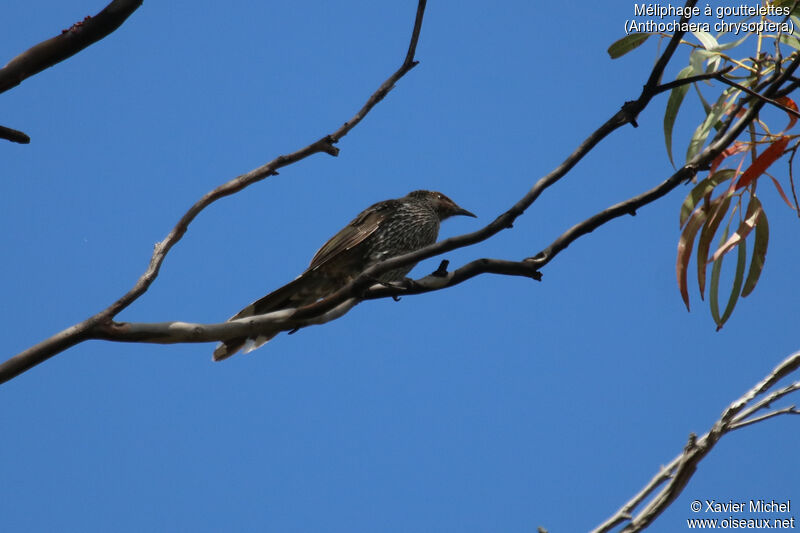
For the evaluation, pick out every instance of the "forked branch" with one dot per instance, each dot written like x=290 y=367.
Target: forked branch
x=673 y=477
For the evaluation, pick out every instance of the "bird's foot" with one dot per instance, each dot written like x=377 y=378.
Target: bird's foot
x=406 y=284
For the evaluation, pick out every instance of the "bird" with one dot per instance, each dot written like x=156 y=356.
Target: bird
x=381 y=231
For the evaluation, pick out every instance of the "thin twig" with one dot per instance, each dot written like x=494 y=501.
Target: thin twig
x=786 y=410
x=691 y=79
x=766 y=402
x=679 y=470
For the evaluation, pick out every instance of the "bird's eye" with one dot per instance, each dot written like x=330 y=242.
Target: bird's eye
x=438 y=196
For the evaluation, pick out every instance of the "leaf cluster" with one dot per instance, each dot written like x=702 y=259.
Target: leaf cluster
x=724 y=206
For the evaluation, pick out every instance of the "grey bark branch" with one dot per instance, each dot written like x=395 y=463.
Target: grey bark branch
x=287 y=319
x=186 y=332
x=678 y=472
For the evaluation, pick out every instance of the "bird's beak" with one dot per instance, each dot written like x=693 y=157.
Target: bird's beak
x=462 y=211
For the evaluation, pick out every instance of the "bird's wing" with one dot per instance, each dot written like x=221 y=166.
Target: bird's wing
x=353 y=234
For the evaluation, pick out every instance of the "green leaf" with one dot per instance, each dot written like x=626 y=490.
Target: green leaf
x=759 y=253
x=698 y=56
x=702 y=131
x=719 y=208
x=741 y=260
x=706 y=39
x=673 y=104
x=791 y=41
x=626 y=44
x=713 y=291
x=712 y=65
x=701 y=189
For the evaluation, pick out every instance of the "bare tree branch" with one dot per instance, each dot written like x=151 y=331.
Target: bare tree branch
x=790 y=410
x=184 y=332
x=286 y=319
x=681 y=468
x=766 y=402
x=81 y=331
x=68 y=43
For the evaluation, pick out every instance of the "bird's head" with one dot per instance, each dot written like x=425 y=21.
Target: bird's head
x=444 y=206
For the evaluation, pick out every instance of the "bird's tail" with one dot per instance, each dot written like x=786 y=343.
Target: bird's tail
x=302 y=291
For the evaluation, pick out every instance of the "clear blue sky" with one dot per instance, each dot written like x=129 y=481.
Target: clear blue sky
x=498 y=405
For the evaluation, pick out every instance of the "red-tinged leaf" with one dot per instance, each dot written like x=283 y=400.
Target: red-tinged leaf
x=780 y=191
x=788 y=102
x=685 y=244
x=759 y=253
x=719 y=208
x=673 y=105
x=773 y=152
x=741 y=261
x=747 y=225
x=701 y=189
x=736 y=148
x=626 y=44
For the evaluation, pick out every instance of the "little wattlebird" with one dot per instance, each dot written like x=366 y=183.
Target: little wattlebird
x=383 y=230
